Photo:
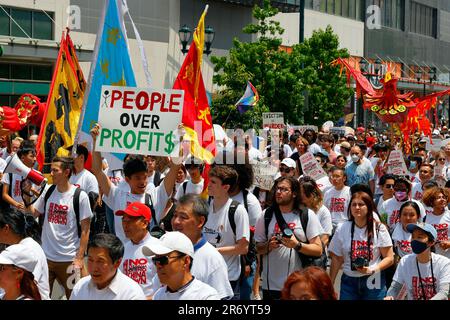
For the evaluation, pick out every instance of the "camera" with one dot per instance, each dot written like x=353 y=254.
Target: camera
x=287 y=233
x=359 y=262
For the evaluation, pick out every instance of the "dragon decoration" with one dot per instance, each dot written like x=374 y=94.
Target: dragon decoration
x=406 y=113
x=28 y=110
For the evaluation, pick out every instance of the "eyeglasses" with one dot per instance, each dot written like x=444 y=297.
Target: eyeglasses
x=441 y=159
x=389 y=186
x=285 y=170
x=281 y=189
x=164 y=260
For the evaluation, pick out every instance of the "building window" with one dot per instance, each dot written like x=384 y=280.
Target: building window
x=392 y=13
x=353 y=9
x=423 y=19
x=35 y=24
x=25 y=72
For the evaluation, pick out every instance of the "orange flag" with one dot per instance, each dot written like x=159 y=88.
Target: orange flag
x=196 y=118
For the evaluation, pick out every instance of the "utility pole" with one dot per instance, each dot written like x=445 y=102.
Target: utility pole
x=301 y=39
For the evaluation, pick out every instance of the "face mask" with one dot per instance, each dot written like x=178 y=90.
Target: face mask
x=355 y=158
x=401 y=195
x=412 y=165
x=418 y=247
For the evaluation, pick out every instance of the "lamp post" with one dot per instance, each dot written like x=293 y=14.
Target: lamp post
x=432 y=77
x=185 y=34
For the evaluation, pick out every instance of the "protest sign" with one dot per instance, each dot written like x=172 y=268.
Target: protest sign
x=436 y=146
x=396 y=165
x=264 y=175
x=139 y=120
x=311 y=167
x=340 y=131
x=302 y=129
x=273 y=120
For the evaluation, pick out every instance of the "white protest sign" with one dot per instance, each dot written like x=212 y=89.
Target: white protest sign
x=436 y=146
x=273 y=120
x=264 y=175
x=139 y=120
x=439 y=175
x=311 y=167
x=396 y=164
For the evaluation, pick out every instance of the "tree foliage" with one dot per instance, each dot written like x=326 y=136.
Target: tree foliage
x=280 y=77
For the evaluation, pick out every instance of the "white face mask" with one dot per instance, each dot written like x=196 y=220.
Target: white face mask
x=355 y=158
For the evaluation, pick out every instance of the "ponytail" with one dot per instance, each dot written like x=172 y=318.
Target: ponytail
x=28 y=286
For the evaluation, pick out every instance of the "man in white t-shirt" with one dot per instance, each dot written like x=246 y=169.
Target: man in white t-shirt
x=154 y=176
x=135 y=221
x=64 y=235
x=426 y=173
x=105 y=281
x=135 y=171
x=218 y=230
x=337 y=198
x=173 y=255
x=279 y=245
x=209 y=266
x=82 y=178
x=12 y=192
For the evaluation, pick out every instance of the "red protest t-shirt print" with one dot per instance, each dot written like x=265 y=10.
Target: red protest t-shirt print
x=404 y=246
x=427 y=284
x=136 y=269
x=394 y=218
x=16 y=190
x=360 y=248
x=57 y=213
x=337 y=204
x=442 y=231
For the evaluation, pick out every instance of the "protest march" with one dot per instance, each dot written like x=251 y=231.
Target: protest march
x=133 y=192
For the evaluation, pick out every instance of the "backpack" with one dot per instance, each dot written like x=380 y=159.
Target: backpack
x=304 y=218
x=250 y=257
x=155 y=230
x=157 y=178
x=76 y=206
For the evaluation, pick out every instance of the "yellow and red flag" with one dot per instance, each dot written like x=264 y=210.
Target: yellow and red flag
x=65 y=99
x=196 y=118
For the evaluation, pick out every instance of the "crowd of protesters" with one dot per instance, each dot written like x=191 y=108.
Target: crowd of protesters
x=148 y=231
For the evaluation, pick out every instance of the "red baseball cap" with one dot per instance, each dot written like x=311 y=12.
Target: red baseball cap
x=136 y=209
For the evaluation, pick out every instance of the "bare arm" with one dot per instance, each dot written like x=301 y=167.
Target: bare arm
x=336 y=263
x=325 y=238
x=240 y=248
x=372 y=186
x=8 y=199
x=84 y=238
x=103 y=182
x=171 y=177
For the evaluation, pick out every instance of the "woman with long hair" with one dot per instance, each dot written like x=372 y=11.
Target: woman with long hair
x=409 y=213
x=311 y=283
x=438 y=199
x=424 y=274
x=312 y=198
x=17 y=263
x=364 y=248
x=19 y=228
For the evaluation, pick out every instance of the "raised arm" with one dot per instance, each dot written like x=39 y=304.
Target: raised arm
x=103 y=182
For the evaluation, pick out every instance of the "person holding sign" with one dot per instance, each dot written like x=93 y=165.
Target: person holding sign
x=135 y=171
x=425 y=275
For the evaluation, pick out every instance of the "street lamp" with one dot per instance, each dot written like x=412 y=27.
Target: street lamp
x=185 y=34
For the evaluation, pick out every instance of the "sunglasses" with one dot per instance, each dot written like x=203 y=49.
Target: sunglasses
x=441 y=159
x=164 y=260
x=389 y=186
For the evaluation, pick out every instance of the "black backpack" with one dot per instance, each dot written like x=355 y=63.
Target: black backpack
x=304 y=218
x=250 y=257
x=76 y=206
x=155 y=230
x=157 y=178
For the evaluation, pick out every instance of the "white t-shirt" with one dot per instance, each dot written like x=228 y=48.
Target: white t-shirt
x=408 y=274
x=254 y=207
x=324 y=217
x=190 y=188
x=40 y=271
x=391 y=208
x=402 y=240
x=324 y=184
x=85 y=180
x=417 y=191
x=115 y=176
x=441 y=223
x=2 y=165
x=341 y=244
x=195 y=290
x=314 y=148
x=282 y=261
x=337 y=202
x=218 y=232
x=120 y=288
x=254 y=155
x=151 y=178
x=209 y=267
x=60 y=240
x=119 y=200
x=138 y=267
x=14 y=187
x=4 y=154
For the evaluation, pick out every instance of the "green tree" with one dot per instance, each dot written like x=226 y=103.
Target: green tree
x=280 y=78
x=326 y=88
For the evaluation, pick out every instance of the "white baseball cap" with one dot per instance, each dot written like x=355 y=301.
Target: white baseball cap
x=290 y=163
x=19 y=256
x=170 y=241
